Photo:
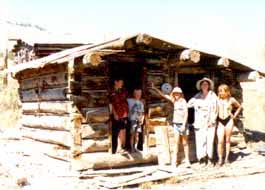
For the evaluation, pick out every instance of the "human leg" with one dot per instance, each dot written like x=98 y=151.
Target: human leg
x=200 y=140
x=220 y=138
x=185 y=144
x=228 y=133
x=210 y=142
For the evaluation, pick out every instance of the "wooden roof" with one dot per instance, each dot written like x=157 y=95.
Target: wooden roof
x=142 y=43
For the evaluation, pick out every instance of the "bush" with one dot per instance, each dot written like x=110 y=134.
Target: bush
x=9 y=106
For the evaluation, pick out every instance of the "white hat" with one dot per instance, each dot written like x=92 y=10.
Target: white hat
x=176 y=90
x=198 y=84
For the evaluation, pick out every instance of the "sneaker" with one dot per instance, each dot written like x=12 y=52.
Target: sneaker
x=122 y=151
x=187 y=164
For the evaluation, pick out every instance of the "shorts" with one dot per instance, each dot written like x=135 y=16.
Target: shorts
x=120 y=124
x=177 y=129
x=135 y=126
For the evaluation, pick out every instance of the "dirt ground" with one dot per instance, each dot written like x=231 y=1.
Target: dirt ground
x=22 y=159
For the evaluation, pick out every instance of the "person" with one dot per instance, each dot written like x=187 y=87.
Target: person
x=205 y=106
x=179 y=123
x=136 y=117
x=119 y=109
x=226 y=103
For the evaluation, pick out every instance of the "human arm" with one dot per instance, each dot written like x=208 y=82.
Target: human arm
x=236 y=104
x=213 y=110
x=160 y=93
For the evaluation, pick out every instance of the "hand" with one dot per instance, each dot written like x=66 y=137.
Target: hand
x=116 y=117
x=182 y=129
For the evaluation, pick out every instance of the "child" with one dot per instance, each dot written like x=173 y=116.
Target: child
x=180 y=115
x=226 y=103
x=119 y=107
x=136 y=117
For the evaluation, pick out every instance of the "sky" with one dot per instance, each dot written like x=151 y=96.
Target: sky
x=231 y=28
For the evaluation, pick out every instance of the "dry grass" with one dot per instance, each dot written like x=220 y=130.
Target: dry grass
x=9 y=105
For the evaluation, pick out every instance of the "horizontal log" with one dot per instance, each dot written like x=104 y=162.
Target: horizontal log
x=158 y=109
x=62 y=138
x=96 y=115
x=192 y=70
x=102 y=160
x=46 y=122
x=94 y=130
x=157 y=80
x=94 y=83
x=248 y=76
x=96 y=98
x=190 y=55
x=44 y=95
x=49 y=69
x=46 y=81
x=92 y=145
x=54 y=107
x=223 y=62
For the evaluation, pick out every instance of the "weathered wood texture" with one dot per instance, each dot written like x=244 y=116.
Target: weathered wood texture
x=94 y=130
x=62 y=138
x=46 y=122
x=35 y=95
x=162 y=145
x=46 y=81
x=94 y=82
x=47 y=70
x=53 y=107
x=95 y=145
x=102 y=160
x=96 y=115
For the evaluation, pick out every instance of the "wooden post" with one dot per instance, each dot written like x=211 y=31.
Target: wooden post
x=5 y=77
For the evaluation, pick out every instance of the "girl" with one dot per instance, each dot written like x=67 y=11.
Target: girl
x=205 y=105
x=179 y=123
x=226 y=103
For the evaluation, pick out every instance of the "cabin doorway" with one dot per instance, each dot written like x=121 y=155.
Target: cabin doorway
x=132 y=75
x=187 y=83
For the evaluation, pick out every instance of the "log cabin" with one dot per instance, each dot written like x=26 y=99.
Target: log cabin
x=65 y=96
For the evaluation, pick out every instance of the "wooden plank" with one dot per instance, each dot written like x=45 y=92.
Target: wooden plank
x=95 y=145
x=96 y=115
x=46 y=122
x=62 y=138
x=162 y=145
x=46 y=81
x=116 y=172
x=56 y=107
x=44 y=95
x=94 y=130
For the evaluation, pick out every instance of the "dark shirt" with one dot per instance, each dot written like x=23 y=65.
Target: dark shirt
x=118 y=99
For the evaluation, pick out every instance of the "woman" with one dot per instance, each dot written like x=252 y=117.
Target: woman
x=226 y=103
x=205 y=106
x=180 y=115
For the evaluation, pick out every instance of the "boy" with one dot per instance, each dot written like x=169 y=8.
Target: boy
x=119 y=108
x=136 y=117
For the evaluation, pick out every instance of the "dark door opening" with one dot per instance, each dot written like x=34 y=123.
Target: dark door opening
x=132 y=75
x=187 y=83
